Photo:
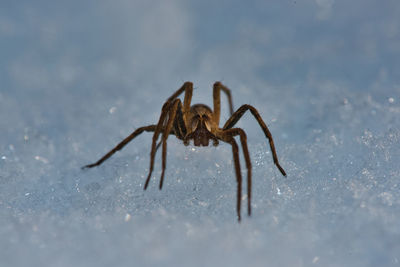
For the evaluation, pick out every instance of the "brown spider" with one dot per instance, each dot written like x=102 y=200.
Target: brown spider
x=200 y=123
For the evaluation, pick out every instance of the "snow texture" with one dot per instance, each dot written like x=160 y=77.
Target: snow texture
x=78 y=76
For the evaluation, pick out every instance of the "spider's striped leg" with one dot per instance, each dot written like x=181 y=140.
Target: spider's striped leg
x=150 y=128
x=217 y=100
x=236 y=117
x=243 y=141
x=171 y=119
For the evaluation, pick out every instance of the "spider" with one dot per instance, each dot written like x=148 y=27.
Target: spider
x=200 y=123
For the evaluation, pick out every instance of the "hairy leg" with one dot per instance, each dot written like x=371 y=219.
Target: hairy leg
x=239 y=113
x=217 y=100
x=150 y=128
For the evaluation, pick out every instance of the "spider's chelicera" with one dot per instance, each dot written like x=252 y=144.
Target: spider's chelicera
x=200 y=123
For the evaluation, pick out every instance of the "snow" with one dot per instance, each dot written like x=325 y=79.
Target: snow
x=78 y=77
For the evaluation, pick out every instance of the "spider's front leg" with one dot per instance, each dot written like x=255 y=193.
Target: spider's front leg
x=167 y=112
x=187 y=87
x=177 y=104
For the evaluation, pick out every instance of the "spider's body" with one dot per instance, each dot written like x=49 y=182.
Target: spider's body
x=201 y=127
x=200 y=123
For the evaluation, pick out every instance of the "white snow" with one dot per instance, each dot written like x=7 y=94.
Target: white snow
x=77 y=78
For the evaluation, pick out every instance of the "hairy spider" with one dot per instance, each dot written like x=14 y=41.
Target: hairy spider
x=200 y=123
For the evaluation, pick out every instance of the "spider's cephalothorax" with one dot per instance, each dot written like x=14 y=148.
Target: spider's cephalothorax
x=200 y=123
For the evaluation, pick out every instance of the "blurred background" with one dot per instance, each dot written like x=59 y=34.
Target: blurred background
x=79 y=76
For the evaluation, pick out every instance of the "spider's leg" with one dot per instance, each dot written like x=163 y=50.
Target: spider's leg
x=228 y=138
x=150 y=128
x=243 y=141
x=187 y=87
x=179 y=126
x=235 y=152
x=187 y=99
x=159 y=143
x=239 y=113
x=171 y=118
x=157 y=131
x=217 y=100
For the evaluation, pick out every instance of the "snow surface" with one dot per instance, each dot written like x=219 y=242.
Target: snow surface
x=78 y=76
